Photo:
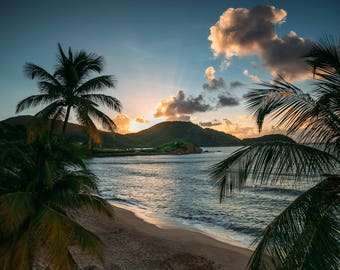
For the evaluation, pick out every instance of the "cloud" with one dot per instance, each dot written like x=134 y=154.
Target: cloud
x=210 y=73
x=252 y=77
x=180 y=106
x=181 y=117
x=227 y=100
x=212 y=82
x=242 y=32
x=142 y=120
x=213 y=123
x=239 y=130
x=122 y=122
x=243 y=129
x=236 y=84
x=225 y=64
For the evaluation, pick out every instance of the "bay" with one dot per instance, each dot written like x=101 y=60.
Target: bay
x=175 y=191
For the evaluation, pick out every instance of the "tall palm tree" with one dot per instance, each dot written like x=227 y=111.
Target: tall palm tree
x=41 y=185
x=71 y=87
x=306 y=234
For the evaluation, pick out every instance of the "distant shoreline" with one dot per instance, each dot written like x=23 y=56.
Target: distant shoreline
x=123 y=154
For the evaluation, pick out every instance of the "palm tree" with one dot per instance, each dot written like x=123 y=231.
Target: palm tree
x=41 y=187
x=306 y=234
x=70 y=87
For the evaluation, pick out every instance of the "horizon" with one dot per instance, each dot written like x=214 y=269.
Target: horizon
x=103 y=130
x=169 y=65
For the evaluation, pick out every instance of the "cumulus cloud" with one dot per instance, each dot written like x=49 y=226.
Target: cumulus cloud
x=242 y=32
x=212 y=82
x=227 y=100
x=122 y=122
x=212 y=123
x=250 y=76
x=179 y=107
x=236 y=84
x=141 y=120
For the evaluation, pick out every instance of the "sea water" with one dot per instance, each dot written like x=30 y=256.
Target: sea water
x=175 y=191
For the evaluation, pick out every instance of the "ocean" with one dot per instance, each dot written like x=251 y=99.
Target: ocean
x=174 y=191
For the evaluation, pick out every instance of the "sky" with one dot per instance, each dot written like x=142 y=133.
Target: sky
x=173 y=60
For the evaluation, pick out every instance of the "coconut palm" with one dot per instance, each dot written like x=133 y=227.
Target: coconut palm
x=41 y=187
x=71 y=87
x=306 y=234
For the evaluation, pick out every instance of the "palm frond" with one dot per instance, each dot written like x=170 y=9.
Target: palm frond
x=51 y=89
x=33 y=101
x=17 y=252
x=15 y=209
x=102 y=118
x=107 y=101
x=67 y=154
x=33 y=71
x=87 y=123
x=96 y=84
x=51 y=110
x=325 y=54
x=85 y=63
x=306 y=234
x=57 y=232
x=270 y=163
x=66 y=71
x=282 y=99
x=308 y=119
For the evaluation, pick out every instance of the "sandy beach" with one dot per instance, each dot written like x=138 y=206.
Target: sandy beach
x=131 y=243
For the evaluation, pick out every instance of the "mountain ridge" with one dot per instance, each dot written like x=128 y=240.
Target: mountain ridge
x=164 y=132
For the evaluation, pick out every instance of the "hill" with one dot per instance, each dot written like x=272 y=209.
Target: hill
x=267 y=138
x=159 y=134
x=180 y=131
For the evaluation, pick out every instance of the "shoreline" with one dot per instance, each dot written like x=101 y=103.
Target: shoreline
x=132 y=243
x=165 y=224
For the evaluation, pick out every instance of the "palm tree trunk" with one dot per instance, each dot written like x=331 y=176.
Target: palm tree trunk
x=66 y=120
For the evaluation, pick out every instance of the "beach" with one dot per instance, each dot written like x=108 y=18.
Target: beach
x=131 y=243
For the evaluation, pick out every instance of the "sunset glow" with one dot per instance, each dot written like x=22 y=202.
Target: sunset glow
x=197 y=74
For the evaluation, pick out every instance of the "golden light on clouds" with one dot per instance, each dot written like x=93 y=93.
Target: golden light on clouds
x=141 y=120
x=122 y=122
x=242 y=32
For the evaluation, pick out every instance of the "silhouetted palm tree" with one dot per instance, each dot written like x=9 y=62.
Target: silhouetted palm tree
x=41 y=185
x=306 y=234
x=70 y=87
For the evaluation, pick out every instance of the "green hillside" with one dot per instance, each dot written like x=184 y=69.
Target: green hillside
x=181 y=131
x=267 y=138
x=159 y=134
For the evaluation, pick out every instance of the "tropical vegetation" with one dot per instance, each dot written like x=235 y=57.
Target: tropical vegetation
x=72 y=87
x=306 y=234
x=43 y=178
x=42 y=185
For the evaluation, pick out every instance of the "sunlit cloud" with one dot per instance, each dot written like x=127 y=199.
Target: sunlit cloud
x=123 y=123
x=246 y=128
x=141 y=120
x=243 y=32
x=212 y=82
x=254 y=78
